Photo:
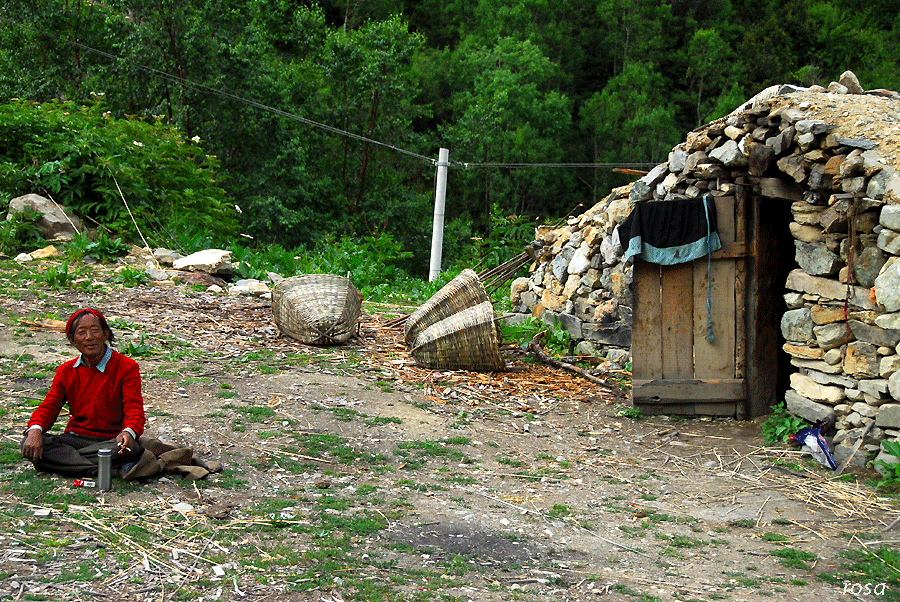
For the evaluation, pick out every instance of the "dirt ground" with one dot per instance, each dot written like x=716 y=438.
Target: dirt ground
x=549 y=492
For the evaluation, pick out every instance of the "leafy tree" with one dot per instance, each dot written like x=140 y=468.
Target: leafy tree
x=844 y=38
x=629 y=118
x=507 y=114
x=711 y=70
x=637 y=29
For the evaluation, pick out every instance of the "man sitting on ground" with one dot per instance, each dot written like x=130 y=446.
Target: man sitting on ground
x=106 y=408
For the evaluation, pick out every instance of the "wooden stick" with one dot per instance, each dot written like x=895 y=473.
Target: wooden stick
x=535 y=347
x=840 y=469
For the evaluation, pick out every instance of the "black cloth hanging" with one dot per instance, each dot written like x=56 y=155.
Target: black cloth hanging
x=670 y=232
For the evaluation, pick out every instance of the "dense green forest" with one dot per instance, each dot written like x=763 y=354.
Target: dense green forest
x=305 y=121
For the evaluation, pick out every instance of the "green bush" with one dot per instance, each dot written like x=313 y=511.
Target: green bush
x=891 y=478
x=20 y=234
x=556 y=341
x=106 y=249
x=57 y=277
x=780 y=425
x=114 y=172
x=130 y=276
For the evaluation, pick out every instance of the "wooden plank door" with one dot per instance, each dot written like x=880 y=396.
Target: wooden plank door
x=676 y=370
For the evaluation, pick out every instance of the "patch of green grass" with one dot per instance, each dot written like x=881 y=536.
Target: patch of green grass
x=460 y=480
x=346 y=414
x=10 y=454
x=782 y=521
x=870 y=565
x=384 y=387
x=559 y=510
x=633 y=532
x=37 y=371
x=256 y=413
x=743 y=580
x=229 y=479
x=333 y=446
x=633 y=413
x=683 y=541
x=47 y=490
x=382 y=420
x=794 y=559
x=774 y=537
x=86 y=571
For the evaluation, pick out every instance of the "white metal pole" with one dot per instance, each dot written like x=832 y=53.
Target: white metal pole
x=437 y=232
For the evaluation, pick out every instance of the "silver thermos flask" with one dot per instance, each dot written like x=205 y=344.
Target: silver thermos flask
x=104 y=469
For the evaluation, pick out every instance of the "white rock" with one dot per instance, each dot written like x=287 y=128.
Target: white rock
x=210 y=261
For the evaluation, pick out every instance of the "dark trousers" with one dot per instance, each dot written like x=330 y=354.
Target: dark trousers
x=76 y=456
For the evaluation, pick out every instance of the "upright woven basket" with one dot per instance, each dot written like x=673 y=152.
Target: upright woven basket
x=462 y=292
x=467 y=340
x=316 y=309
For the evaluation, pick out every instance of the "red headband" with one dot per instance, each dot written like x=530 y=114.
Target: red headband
x=81 y=312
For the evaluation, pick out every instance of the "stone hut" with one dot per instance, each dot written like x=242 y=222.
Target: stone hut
x=803 y=297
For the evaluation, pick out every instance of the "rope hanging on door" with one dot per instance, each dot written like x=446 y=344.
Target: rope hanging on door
x=710 y=336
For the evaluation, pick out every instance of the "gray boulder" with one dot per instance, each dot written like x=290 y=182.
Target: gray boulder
x=55 y=222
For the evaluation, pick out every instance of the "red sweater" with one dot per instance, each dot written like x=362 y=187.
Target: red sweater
x=101 y=404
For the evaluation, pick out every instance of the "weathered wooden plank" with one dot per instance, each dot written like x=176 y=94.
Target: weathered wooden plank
x=688 y=408
x=731 y=250
x=677 y=321
x=682 y=390
x=740 y=299
x=716 y=359
x=646 y=333
x=725 y=219
x=740 y=308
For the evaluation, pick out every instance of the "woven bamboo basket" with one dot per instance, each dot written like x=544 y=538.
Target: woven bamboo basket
x=467 y=340
x=317 y=309
x=462 y=292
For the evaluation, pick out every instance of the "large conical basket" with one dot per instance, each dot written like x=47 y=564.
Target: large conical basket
x=462 y=292
x=317 y=309
x=467 y=340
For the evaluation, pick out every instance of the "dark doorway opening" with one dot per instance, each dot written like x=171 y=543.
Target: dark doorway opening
x=773 y=259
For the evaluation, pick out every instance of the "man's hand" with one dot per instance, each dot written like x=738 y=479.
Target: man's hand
x=33 y=448
x=126 y=442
